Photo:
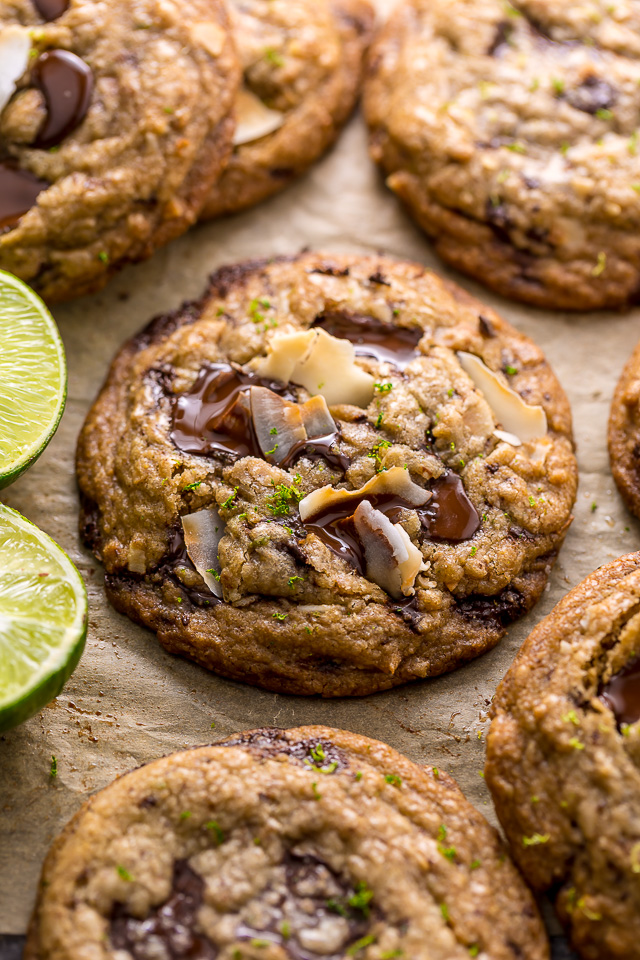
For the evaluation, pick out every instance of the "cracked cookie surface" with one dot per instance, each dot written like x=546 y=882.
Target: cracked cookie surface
x=283 y=845
x=118 y=127
x=460 y=525
x=563 y=760
x=302 y=63
x=510 y=131
x=624 y=433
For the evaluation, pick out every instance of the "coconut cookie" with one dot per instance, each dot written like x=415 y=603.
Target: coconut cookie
x=302 y=62
x=115 y=122
x=624 y=434
x=563 y=760
x=330 y=476
x=283 y=844
x=510 y=131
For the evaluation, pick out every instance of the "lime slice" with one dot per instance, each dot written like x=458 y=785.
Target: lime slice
x=43 y=618
x=33 y=377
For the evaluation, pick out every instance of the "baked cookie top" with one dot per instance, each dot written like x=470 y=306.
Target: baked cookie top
x=563 y=760
x=283 y=844
x=511 y=132
x=624 y=433
x=115 y=121
x=302 y=63
x=297 y=482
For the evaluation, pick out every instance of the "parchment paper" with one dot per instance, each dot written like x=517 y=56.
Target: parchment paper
x=129 y=702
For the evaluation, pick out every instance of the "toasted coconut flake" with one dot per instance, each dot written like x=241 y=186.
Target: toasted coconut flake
x=203 y=532
x=317 y=420
x=508 y=437
x=396 y=481
x=393 y=562
x=210 y=36
x=254 y=118
x=277 y=423
x=323 y=364
x=512 y=413
x=15 y=46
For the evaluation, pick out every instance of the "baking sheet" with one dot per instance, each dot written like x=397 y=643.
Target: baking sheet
x=130 y=702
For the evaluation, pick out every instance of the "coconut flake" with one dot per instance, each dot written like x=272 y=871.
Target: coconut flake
x=277 y=423
x=524 y=421
x=15 y=46
x=508 y=437
x=396 y=481
x=203 y=532
x=317 y=420
x=254 y=118
x=393 y=562
x=323 y=364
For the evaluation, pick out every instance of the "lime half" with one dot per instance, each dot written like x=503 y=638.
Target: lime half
x=33 y=377
x=43 y=618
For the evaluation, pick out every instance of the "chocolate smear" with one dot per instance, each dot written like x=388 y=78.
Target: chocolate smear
x=172 y=927
x=19 y=191
x=51 y=9
x=622 y=694
x=66 y=83
x=373 y=338
x=449 y=515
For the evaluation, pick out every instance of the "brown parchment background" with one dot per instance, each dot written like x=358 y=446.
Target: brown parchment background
x=129 y=702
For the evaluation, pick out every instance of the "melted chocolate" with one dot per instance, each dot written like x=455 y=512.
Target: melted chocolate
x=273 y=742
x=67 y=84
x=214 y=419
x=51 y=9
x=19 y=191
x=592 y=95
x=372 y=338
x=319 y=448
x=622 y=694
x=336 y=528
x=171 y=925
x=449 y=515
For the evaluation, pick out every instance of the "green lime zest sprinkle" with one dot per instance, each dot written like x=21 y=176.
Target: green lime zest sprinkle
x=393 y=779
x=192 y=486
x=383 y=387
x=124 y=874
x=587 y=911
x=535 y=840
x=600 y=267
x=360 y=945
x=228 y=503
x=269 y=453
x=53 y=770
x=214 y=827
x=316 y=794
x=361 y=899
x=576 y=744
x=103 y=256
x=185 y=815
x=280 y=616
x=283 y=497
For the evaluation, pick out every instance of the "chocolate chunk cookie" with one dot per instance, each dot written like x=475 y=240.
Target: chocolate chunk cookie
x=283 y=844
x=302 y=62
x=330 y=476
x=563 y=760
x=115 y=122
x=510 y=131
x=624 y=434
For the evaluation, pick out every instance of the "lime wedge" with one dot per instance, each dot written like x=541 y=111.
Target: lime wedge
x=33 y=377
x=43 y=618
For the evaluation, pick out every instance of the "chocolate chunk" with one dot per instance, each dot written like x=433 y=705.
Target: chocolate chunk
x=487 y=329
x=502 y=609
x=622 y=694
x=592 y=95
x=172 y=926
x=67 y=85
x=384 y=342
x=449 y=515
x=19 y=191
x=51 y=9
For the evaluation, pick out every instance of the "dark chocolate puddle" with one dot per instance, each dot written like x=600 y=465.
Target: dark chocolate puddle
x=19 y=191
x=373 y=338
x=172 y=925
x=51 y=9
x=622 y=694
x=66 y=83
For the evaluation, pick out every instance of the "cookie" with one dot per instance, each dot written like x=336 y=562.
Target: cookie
x=563 y=760
x=296 y=481
x=624 y=434
x=280 y=844
x=509 y=130
x=302 y=62
x=115 y=122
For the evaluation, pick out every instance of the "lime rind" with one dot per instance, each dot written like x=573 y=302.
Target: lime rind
x=33 y=377
x=43 y=618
